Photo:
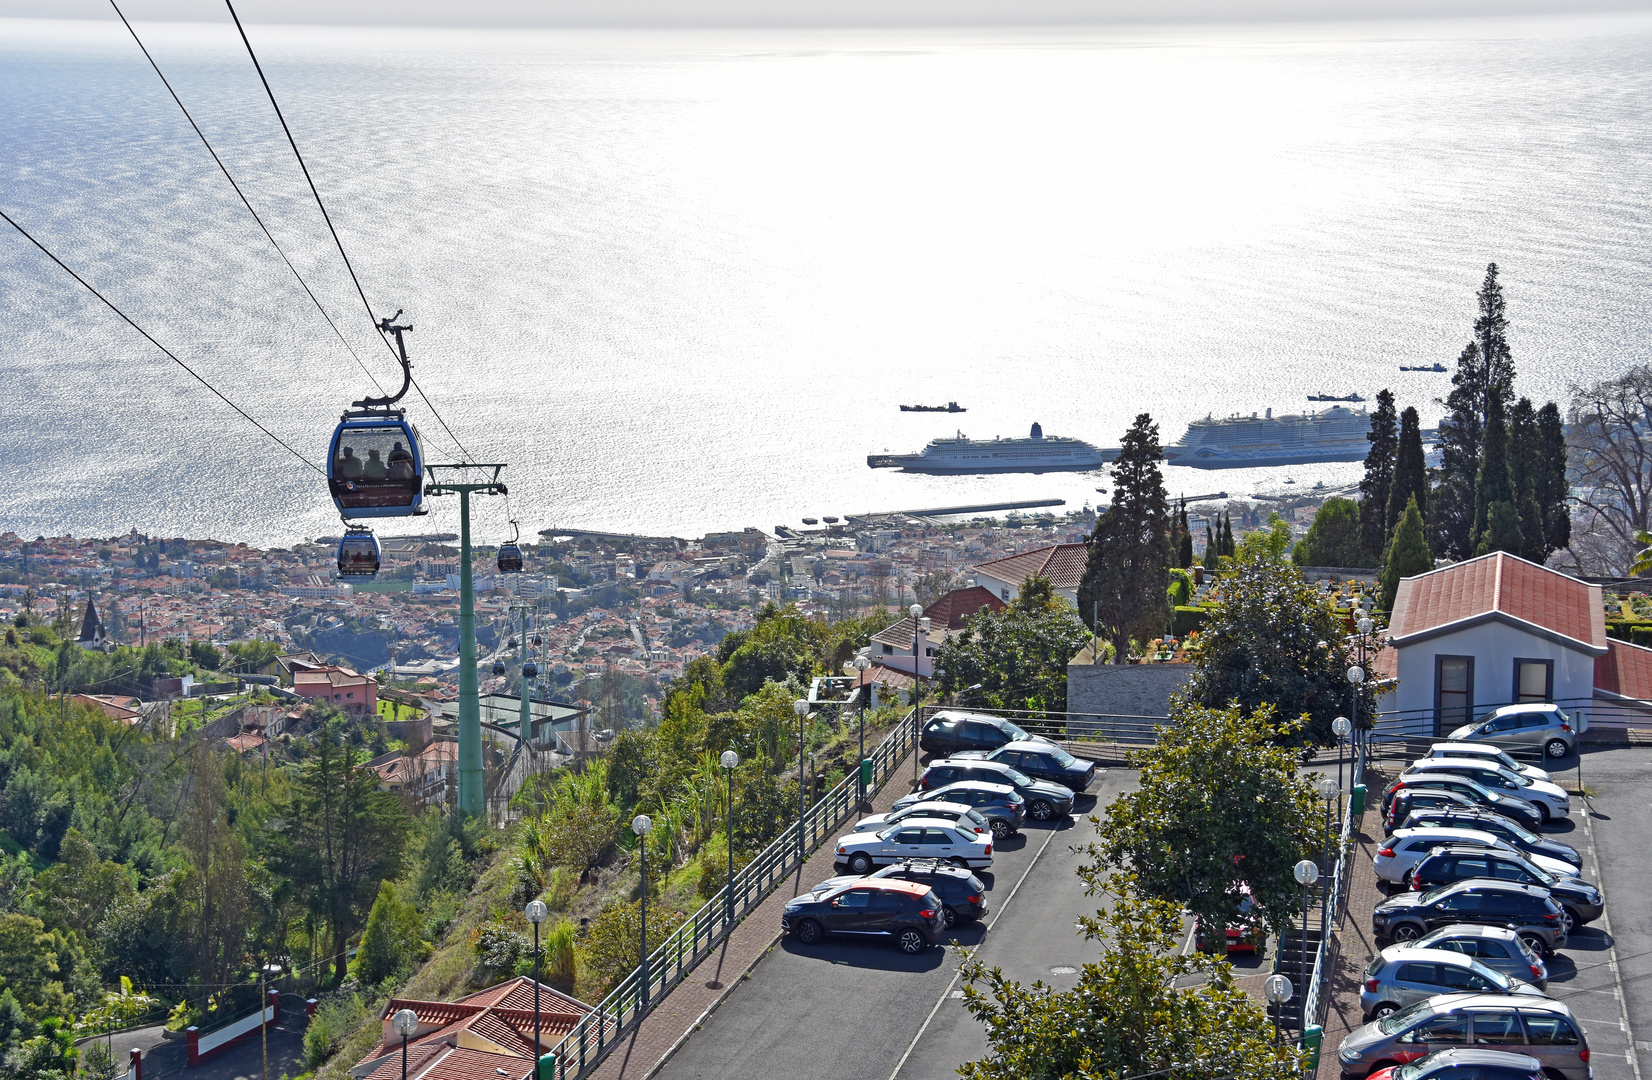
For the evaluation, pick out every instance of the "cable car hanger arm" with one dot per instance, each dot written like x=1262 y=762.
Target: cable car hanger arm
x=388 y=326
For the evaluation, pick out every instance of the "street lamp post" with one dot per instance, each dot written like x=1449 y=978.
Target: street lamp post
x=801 y=708
x=1278 y=989
x=862 y=662
x=1365 y=626
x=1340 y=727
x=730 y=761
x=536 y=912
x=406 y=1022
x=264 y=972
x=1306 y=873
x=1330 y=791
x=1356 y=678
x=640 y=825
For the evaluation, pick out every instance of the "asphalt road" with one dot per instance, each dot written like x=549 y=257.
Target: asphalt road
x=863 y=1009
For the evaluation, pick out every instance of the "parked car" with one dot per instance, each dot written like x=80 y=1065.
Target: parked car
x=1045 y=800
x=1455 y=1064
x=1401 y=852
x=963 y=895
x=1516 y=836
x=1245 y=931
x=1497 y=947
x=1408 y=800
x=1528 y=910
x=1000 y=804
x=1508 y=805
x=1523 y=727
x=1480 y=751
x=948 y=731
x=915 y=838
x=1544 y=1030
x=957 y=813
x=907 y=911
x=1041 y=761
x=1579 y=900
x=1550 y=800
x=1403 y=975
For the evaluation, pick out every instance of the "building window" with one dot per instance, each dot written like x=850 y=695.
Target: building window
x=1453 y=691
x=928 y=651
x=1003 y=594
x=888 y=650
x=1533 y=681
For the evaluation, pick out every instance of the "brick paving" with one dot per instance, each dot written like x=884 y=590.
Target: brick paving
x=648 y=1046
x=1355 y=944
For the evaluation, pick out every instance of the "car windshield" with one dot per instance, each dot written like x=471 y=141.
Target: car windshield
x=1017 y=777
x=1396 y=1022
x=1496 y=978
x=1067 y=760
x=1433 y=894
x=1015 y=733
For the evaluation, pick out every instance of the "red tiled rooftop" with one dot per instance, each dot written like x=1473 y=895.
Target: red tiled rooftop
x=951 y=610
x=1625 y=671
x=1063 y=564
x=1503 y=585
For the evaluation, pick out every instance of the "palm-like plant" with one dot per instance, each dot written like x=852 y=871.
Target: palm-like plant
x=1643 y=558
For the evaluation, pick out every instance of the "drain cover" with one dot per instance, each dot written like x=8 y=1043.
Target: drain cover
x=1063 y=969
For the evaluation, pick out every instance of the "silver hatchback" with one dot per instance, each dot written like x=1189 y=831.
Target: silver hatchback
x=1497 y=947
x=1523 y=727
x=1401 y=976
x=1546 y=1030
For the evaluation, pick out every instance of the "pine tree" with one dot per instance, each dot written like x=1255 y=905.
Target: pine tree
x=1410 y=473
x=1128 y=572
x=1494 y=484
x=1503 y=531
x=1553 y=489
x=1378 y=482
x=1407 y=555
x=1489 y=335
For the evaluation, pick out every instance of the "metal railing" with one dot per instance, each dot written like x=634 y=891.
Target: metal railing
x=585 y=1046
x=1314 y=998
x=1394 y=730
x=1105 y=737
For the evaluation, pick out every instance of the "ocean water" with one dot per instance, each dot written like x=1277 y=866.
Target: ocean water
x=681 y=281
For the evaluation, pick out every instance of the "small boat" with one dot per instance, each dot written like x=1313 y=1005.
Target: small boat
x=1430 y=367
x=830 y=520
x=1330 y=397
x=1288 y=480
x=811 y=521
x=949 y=407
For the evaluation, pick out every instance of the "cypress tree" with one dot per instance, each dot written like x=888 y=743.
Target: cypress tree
x=1227 y=533
x=1127 y=575
x=1407 y=555
x=1523 y=468
x=1410 y=472
x=1552 y=488
x=1490 y=328
x=1377 y=484
x=1211 y=550
x=1503 y=531
x=1184 y=540
x=1494 y=484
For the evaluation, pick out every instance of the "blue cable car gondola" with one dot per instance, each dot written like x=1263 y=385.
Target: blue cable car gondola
x=498 y=667
x=510 y=555
x=375 y=465
x=358 y=553
x=530 y=671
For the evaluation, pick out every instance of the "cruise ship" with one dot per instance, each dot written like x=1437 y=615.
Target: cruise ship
x=1238 y=442
x=1034 y=454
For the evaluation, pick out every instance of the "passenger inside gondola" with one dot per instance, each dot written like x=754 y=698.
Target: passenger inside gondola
x=374 y=469
x=348 y=465
x=401 y=463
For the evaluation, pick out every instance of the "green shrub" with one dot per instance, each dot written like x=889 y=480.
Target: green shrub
x=1186 y=620
x=335 y=1018
x=1181 y=587
x=1641 y=634
x=611 y=944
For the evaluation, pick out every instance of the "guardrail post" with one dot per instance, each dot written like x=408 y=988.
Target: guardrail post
x=136 y=1057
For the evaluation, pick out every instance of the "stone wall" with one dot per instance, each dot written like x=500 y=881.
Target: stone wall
x=1123 y=689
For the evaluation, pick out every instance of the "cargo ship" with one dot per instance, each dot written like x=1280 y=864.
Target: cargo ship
x=1239 y=442
x=1036 y=454
x=949 y=407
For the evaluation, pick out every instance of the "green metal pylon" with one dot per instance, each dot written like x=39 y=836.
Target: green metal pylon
x=472 y=795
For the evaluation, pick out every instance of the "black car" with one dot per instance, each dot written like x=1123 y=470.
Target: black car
x=1000 y=804
x=1045 y=800
x=961 y=892
x=1528 y=910
x=948 y=731
x=907 y=911
x=1408 y=801
x=1465 y=817
x=1579 y=900
x=1041 y=761
x=1510 y=806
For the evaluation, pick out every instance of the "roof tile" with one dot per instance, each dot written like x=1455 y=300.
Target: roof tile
x=1063 y=564
x=1503 y=585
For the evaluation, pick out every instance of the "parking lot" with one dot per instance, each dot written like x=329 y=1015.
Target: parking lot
x=864 y=1009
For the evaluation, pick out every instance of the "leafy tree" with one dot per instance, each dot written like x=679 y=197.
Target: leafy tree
x=1019 y=655
x=45 y=970
x=205 y=654
x=1128 y=1016
x=930 y=587
x=391 y=940
x=341 y=836
x=1410 y=472
x=1407 y=556
x=79 y=888
x=1221 y=805
x=782 y=643
x=1271 y=640
x=1378 y=482
x=1122 y=592
x=612 y=941
x=1336 y=537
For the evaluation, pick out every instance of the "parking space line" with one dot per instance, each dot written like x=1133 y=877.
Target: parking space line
x=913 y=1045
x=1612 y=949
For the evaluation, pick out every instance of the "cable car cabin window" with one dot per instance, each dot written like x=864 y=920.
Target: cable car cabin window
x=375 y=469
x=510 y=559
x=358 y=555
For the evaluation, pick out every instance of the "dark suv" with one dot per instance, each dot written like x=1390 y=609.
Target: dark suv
x=1446 y=817
x=1579 y=901
x=1041 y=761
x=948 y=731
x=962 y=894
x=907 y=911
x=1407 y=801
x=1528 y=910
x=1003 y=808
x=1510 y=806
x=1044 y=799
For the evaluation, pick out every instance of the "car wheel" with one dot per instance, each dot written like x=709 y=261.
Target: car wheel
x=950 y=917
x=809 y=932
x=860 y=862
x=1000 y=828
x=1538 y=944
x=1041 y=810
x=1556 y=748
x=1569 y=920
x=1406 y=932
x=1543 y=813
x=1383 y=1009
x=911 y=942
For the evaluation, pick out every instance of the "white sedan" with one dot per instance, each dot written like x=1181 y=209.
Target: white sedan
x=916 y=838
x=1403 y=850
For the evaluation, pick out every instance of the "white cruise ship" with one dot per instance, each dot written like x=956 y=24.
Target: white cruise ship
x=1034 y=454
x=1237 y=442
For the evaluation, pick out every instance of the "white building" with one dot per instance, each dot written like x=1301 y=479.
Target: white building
x=1063 y=564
